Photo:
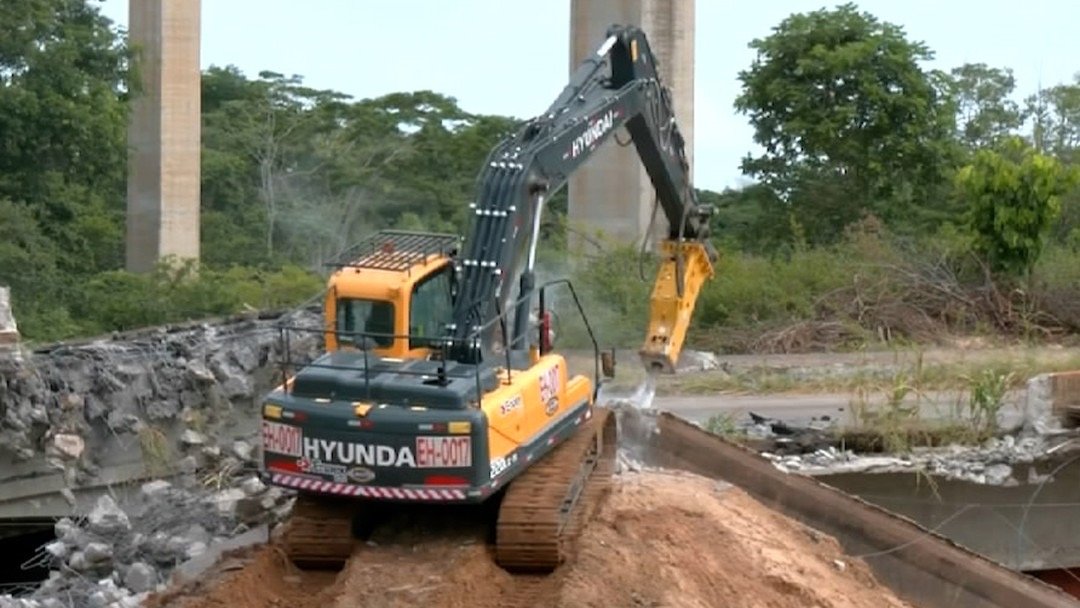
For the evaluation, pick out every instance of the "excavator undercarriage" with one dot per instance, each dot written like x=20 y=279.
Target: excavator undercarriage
x=319 y=533
x=539 y=516
x=542 y=512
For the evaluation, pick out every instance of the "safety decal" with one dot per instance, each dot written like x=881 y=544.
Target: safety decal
x=344 y=489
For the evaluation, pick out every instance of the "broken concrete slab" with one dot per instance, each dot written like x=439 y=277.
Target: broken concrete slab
x=1038 y=409
x=107 y=518
x=139 y=538
x=199 y=564
x=696 y=360
x=140 y=577
x=69 y=445
x=1065 y=394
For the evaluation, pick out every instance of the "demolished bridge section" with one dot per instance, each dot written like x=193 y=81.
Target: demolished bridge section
x=103 y=411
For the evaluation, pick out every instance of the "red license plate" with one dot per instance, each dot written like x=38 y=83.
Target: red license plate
x=282 y=439
x=443 y=452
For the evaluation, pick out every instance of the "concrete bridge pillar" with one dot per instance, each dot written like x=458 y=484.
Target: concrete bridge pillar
x=164 y=133
x=612 y=193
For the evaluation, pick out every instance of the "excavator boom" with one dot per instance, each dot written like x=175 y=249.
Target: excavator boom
x=617 y=87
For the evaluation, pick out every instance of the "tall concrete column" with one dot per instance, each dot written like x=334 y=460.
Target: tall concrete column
x=612 y=193
x=164 y=133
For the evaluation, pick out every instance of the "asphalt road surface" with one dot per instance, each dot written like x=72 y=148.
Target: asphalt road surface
x=801 y=409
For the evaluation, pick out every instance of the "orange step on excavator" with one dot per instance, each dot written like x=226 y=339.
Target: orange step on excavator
x=437 y=386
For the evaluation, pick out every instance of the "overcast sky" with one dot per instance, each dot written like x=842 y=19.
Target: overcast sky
x=511 y=57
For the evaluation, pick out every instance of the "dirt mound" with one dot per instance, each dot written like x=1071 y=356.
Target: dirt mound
x=676 y=539
x=660 y=539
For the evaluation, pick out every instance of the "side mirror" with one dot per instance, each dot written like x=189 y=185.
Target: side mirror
x=607 y=363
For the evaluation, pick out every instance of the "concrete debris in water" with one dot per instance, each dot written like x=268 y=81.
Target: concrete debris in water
x=993 y=463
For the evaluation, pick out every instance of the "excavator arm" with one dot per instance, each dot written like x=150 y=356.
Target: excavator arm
x=618 y=86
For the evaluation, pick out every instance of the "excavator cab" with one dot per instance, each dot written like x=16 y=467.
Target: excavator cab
x=391 y=294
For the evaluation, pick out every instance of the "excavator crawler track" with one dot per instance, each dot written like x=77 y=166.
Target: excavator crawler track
x=543 y=510
x=319 y=534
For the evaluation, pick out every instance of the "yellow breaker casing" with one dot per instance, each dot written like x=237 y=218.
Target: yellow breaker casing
x=670 y=312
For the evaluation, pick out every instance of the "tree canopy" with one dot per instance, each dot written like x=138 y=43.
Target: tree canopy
x=842 y=109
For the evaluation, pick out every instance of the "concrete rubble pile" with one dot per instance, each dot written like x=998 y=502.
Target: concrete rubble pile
x=180 y=384
x=60 y=397
x=114 y=557
x=186 y=400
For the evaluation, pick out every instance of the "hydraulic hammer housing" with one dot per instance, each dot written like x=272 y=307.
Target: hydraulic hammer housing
x=683 y=270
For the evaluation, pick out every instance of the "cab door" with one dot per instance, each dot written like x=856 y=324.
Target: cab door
x=430 y=308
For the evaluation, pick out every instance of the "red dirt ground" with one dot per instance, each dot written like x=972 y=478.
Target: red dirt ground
x=660 y=539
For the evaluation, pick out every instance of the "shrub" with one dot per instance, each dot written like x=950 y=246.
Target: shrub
x=870 y=287
x=118 y=300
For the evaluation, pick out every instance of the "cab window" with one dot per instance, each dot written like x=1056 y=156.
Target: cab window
x=430 y=309
x=368 y=317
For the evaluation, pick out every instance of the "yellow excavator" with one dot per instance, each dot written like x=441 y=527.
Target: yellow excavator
x=438 y=383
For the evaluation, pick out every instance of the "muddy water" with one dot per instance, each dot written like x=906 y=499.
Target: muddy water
x=632 y=403
x=1024 y=526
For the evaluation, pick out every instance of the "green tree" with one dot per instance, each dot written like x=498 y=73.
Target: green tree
x=1055 y=130
x=1013 y=198
x=437 y=178
x=313 y=170
x=751 y=219
x=838 y=97
x=28 y=264
x=985 y=114
x=1055 y=114
x=64 y=81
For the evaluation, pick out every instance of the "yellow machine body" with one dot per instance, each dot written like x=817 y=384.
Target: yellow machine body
x=525 y=404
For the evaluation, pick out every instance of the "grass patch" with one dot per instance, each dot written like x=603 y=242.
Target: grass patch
x=722 y=424
x=897 y=425
x=899 y=440
x=992 y=375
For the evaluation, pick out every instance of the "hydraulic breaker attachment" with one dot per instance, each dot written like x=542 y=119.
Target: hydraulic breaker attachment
x=686 y=266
